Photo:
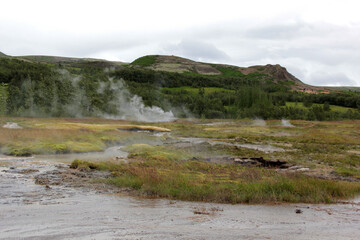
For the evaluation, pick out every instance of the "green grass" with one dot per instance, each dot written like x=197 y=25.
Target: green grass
x=161 y=171
x=229 y=71
x=332 y=107
x=46 y=147
x=346 y=89
x=3 y=98
x=3 y=54
x=328 y=148
x=55 y=136
x=201 y=181
x=192 y=90
x=348 y=172
x=289 y=83
x=145 y=61
x=145 y=151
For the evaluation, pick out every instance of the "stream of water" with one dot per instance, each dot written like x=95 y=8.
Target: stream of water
x=31 y=211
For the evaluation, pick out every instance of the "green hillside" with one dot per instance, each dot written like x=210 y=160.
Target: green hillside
x=3 y=98
x=350 y=89
x=2 y=54
x=70 y=87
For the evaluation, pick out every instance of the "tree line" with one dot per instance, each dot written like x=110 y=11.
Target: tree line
x=84 y=89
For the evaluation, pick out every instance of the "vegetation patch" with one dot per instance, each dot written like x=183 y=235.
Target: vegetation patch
x=192 y=90
x=180 y=168
x=145 y=61
x=156 y=153
x=3 y=98
x=200 y=181
x=348 y=172
x=230 y=71
x=331 y=107
x=56 y=136
x=38 y=86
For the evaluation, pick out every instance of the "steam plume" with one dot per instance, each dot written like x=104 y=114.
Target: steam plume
x=286 y=123
x=131 y=107
x=259 y=122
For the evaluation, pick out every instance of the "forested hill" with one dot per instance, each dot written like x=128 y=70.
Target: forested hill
x=78 y=87
x=265 y=74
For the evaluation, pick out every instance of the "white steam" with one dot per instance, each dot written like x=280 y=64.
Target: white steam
x=259 y=122
x=123 y=104
x=286 y=123
x=131 y=107
x=138 y=111
x=11 y=125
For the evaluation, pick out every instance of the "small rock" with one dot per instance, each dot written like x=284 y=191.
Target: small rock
x=298 y=211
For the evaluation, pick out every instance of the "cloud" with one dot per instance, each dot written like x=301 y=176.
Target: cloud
x=279 y=31
x=328 y=79
x=308 y=41
x=197 y=50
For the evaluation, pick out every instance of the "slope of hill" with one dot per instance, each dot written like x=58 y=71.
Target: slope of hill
x=274 y=73
x=69 y=61
x=2 y=54
x=350 y=89
x=69 y=87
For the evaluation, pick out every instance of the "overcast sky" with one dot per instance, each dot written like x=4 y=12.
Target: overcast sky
x=317 y=41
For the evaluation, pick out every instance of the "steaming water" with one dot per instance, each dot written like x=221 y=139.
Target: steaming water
x=259 y=147
x=132 y=107
x=124 y=104
x=30 y=211
x=286 y=123
x=11 y=125
x=136 y=110
x=110 y=153
x=259 y=122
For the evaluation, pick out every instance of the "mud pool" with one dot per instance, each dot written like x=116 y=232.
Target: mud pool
x=32 y=211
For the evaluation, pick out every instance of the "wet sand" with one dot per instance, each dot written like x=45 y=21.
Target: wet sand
x=31 y=211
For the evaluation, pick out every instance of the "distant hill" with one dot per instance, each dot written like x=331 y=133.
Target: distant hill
x=69 y=60
x=350 y=89
x=69 y=87
x=2 y=54
x=277 y=73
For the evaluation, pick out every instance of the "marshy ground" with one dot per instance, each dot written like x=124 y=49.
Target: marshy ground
x=198 y=160
x=215 y=161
